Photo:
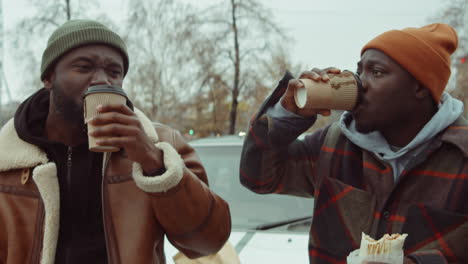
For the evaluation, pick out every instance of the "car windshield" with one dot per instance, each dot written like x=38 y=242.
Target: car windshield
x=248 y=209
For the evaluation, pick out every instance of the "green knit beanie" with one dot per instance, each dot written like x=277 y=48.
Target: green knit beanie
x=76 y=33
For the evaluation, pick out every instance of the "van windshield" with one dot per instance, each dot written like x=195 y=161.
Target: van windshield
x=248 y=209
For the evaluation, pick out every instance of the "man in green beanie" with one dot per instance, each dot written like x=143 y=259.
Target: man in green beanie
x=61 y=203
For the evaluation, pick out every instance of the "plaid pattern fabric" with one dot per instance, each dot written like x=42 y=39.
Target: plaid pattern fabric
x=355 y=192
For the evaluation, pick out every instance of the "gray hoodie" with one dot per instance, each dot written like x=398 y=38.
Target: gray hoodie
x=412 y=154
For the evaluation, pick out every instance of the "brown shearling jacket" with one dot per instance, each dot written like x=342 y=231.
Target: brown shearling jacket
x=138 y=211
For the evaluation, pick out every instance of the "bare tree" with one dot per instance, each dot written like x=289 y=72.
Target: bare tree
x=211 y=86
x=160 y=79
x=186 y=62
x=264 y=80
x=240 y=33
x=455 y=14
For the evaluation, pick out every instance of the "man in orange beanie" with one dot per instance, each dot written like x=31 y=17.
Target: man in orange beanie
x=396 y=163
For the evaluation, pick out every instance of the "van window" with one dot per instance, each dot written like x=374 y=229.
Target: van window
x=248 y=209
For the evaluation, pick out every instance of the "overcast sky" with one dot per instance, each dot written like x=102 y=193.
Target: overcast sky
x=324 y=33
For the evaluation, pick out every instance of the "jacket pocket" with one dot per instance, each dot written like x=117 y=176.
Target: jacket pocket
x=430 y=228
x=342 y=212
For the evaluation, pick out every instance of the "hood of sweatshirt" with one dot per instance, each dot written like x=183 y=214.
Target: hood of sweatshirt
x=399 y=158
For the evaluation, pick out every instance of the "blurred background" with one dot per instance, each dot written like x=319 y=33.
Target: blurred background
x=205 y=66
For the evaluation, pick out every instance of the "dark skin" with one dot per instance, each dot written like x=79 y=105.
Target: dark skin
x=70 y=78
x=393 y=102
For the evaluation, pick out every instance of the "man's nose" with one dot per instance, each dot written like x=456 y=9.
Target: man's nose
x=364 y=82
x=100 y=77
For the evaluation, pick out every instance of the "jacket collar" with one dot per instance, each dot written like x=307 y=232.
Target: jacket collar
x=16 y=153
x=457 y=134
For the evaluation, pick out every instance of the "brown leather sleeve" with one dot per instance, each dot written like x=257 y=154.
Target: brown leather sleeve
x=196 y=220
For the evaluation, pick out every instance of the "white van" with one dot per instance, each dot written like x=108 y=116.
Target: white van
x=267 y=228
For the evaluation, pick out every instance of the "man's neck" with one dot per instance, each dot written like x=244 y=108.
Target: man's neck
x=60 y=129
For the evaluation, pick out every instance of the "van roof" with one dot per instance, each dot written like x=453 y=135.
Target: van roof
x=231 y=140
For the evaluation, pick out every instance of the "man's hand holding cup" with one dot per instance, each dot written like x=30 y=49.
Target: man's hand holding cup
x=318 y=91
x=112 y=125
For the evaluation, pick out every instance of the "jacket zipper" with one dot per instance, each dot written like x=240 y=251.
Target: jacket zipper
x=105 y=159
x=69 y=167
x=69 y=180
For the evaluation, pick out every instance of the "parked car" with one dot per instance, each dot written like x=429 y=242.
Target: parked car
x=268 y=228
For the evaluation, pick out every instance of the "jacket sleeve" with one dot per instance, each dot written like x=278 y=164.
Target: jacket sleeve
x=196 y=220
x=273 y=159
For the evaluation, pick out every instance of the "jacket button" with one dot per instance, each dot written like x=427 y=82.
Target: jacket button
x=386 y=214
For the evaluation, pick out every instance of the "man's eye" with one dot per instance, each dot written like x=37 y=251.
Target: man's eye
x=377 y=73
x=83 y=67
x=116 y=72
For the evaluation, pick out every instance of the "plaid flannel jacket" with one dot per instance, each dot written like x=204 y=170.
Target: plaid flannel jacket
x=355 y=192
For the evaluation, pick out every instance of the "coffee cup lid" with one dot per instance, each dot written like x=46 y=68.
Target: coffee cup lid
x=105 y=89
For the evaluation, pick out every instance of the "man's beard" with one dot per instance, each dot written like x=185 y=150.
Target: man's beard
x=363 y=129
x=66 y=107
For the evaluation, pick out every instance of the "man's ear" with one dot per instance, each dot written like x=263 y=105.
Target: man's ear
x=422 y=92
x=48 y=80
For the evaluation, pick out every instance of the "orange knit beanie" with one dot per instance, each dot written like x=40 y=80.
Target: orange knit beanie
x=424 y=52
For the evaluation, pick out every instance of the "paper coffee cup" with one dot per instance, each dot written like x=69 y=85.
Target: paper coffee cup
x=339 y=93
x=99 y=95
